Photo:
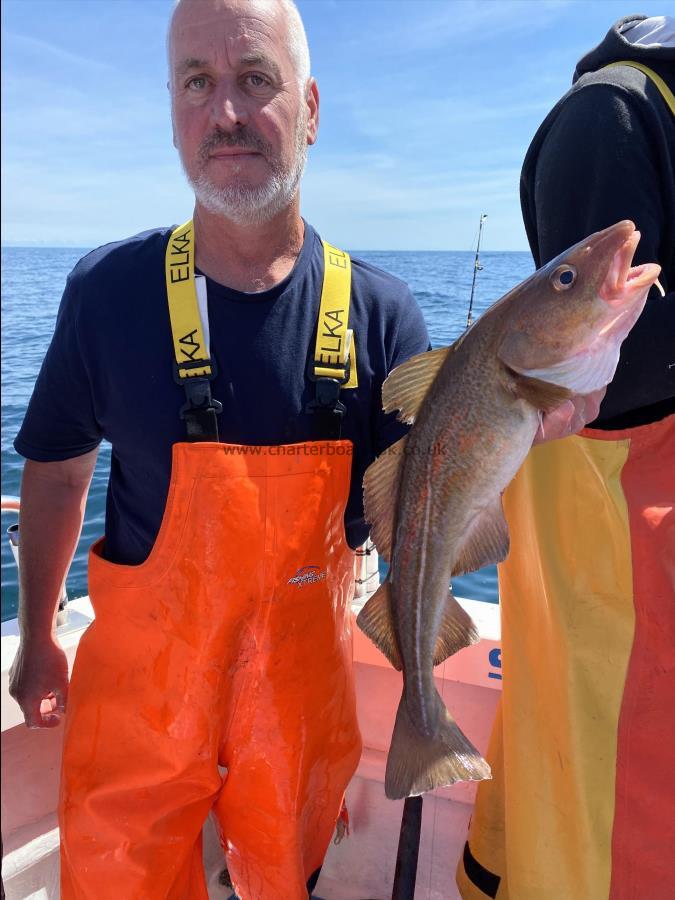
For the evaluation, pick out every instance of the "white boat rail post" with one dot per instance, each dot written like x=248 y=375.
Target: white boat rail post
x=13 y=504
x=366 y=570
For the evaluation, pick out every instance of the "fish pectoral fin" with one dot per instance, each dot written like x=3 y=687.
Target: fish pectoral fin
x=543 y=395
x=457 y=631
x=487 y=542
x=380 y=490
x=376 y=622
x=406 y=386
x=418 y=763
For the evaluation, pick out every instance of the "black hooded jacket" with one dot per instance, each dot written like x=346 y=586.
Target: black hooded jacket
x=606 y=152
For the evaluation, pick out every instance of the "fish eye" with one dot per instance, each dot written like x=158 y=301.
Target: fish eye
x=563 y=278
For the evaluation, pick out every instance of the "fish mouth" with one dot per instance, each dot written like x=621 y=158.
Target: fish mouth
x=624 y=282
x=624 y=291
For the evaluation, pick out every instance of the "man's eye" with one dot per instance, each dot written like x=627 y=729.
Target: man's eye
x=254 y=79
x=198 y=83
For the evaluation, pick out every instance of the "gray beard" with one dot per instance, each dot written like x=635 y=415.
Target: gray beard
x=248 y=205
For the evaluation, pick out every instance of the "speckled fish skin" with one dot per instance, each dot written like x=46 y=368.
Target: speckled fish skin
x=542 y=342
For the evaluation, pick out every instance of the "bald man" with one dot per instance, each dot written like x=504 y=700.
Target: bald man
x=219 y=358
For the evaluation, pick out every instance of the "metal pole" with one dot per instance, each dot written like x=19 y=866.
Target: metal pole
x=476 y=268
x=408 y=850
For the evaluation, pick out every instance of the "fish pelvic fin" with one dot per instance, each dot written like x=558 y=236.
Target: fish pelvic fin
x=543 y=395
x=380 y=492
x=457 y=631
x=407 y=385
x=418 y=763
x=376 y=622
x=487 y=541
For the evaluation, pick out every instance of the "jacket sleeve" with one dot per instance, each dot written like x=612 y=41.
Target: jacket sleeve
x=598 y=164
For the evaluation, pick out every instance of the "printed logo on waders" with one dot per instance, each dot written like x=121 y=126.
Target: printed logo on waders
x=307 y=575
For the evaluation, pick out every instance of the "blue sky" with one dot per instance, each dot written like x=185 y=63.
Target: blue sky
x=427 y=109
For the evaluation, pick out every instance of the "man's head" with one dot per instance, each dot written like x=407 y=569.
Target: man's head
x=244 y=107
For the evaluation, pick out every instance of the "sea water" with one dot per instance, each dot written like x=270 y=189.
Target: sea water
x=32 y=282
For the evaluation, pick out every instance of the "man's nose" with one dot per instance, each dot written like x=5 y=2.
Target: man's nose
x=228 y=110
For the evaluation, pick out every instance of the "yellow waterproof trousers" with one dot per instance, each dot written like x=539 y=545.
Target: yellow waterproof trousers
x=582 y=801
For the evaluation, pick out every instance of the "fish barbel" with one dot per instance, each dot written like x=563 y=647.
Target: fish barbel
x=434 y=498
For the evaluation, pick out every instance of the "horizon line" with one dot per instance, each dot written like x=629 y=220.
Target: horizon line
x=22 y=246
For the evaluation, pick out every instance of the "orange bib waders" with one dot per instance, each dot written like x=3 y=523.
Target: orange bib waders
x=230 y=646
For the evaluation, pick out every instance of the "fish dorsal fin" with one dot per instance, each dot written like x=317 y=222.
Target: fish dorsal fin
x=487 y=541
x=375 y=620
x=407 y=385
x=380 y=491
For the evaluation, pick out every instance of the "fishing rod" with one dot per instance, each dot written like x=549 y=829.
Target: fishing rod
x=476 y=267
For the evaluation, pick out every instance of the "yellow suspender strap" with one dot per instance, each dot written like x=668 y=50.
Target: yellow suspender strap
x=189 y=346
x=193 y=369
x=663 y=88
x=334 y=352
x=334 y=341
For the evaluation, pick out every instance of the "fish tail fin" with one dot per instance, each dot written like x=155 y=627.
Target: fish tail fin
x=418 y=763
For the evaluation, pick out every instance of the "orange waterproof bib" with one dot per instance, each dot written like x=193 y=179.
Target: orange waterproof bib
x=229 y=646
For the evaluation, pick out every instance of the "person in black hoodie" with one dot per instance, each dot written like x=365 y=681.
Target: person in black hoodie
x=582 y=800
x=606 y=152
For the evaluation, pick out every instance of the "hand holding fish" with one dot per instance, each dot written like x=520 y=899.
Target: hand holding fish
x=543 y=354
x=570 y=417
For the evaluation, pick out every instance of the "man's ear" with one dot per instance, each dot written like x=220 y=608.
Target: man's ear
x=313 y=108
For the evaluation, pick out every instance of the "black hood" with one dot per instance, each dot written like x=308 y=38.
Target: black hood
x=614 y=47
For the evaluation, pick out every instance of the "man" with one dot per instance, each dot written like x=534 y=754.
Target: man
x=222 y=589
x=582 y=802
x=222 y=631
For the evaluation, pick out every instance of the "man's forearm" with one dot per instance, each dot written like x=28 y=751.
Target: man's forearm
x=53 y=497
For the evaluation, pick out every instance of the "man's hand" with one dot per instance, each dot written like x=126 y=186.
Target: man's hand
x=569 y=417
x=38 y=681
x=53 y=496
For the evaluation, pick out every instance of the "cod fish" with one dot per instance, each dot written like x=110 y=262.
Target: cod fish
x=434 y=498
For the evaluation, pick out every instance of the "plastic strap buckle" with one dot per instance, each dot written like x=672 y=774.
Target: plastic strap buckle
x=201 y=409
x=326 y=406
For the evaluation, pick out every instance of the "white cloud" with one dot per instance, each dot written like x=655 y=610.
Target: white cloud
x=469 y=21
x=32 y=46
x=369 y=208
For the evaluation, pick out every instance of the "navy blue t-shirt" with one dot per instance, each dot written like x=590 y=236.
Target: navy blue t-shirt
x=108 y=373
